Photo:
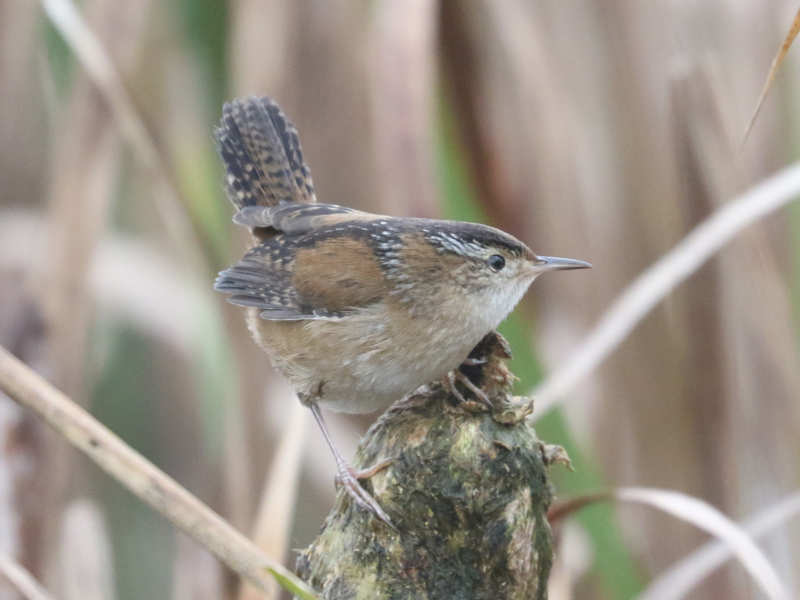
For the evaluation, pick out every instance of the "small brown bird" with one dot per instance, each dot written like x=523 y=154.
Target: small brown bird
x=355 y=309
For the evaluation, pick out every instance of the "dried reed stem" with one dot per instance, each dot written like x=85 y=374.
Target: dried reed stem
x=90 y=52
x=649 y=288
x=142 y=478
x=682 y=577
x=22 y=580
x=272 y=528
x=773 y=69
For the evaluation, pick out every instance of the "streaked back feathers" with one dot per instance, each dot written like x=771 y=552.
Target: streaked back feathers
x=325 y=261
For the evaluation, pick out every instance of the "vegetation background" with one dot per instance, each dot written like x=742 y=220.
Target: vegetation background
x=602 y=131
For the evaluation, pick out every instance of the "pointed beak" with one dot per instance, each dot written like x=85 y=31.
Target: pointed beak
x=554 y=263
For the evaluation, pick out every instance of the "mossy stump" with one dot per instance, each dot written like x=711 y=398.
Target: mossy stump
x=468 y=491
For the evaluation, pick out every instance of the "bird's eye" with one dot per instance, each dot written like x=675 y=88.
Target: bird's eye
x=496 y=262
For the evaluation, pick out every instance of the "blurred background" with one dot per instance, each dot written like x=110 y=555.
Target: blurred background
x=601 y=131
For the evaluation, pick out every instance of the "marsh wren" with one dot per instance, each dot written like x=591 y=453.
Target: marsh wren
x=355 y=309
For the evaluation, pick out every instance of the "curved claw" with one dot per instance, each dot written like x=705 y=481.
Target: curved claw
x=452 y=376
x=348 y=478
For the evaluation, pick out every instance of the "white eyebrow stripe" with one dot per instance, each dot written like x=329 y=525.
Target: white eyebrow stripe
x=448 y=241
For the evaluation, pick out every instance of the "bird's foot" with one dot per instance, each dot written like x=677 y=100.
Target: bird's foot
x=348 y=478
x=457 y=375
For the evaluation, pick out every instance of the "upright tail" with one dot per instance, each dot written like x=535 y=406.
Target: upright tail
x=261 y=151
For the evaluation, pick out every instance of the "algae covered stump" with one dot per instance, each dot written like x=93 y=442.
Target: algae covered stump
x=467 y=489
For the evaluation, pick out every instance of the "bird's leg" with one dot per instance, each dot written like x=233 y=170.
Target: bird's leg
x=348 y=477
x=454 y=375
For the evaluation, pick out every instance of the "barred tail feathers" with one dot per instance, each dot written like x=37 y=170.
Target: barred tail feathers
x=263 y=159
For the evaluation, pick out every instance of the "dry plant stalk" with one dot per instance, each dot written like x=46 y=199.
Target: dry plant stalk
x=680 y=578
x=22 y=580
x=272 y=529
x=468 y=490
x=655 y=282
x=100 y=68
x=773 y=69
x=403 y=91
x=142 y=478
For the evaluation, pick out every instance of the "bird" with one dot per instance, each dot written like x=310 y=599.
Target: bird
x=357 y=310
